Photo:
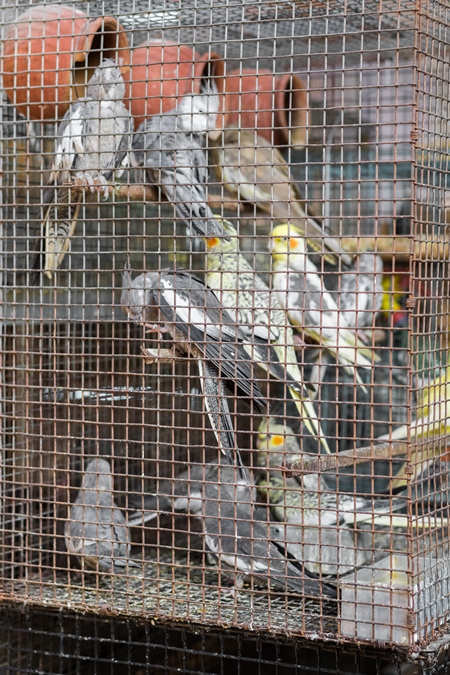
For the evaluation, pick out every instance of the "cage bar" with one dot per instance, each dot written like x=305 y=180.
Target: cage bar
x=307 y=188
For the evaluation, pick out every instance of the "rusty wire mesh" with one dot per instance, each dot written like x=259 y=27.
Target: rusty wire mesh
x=357 y=105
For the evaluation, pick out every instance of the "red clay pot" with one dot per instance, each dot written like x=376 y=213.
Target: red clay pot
x=162 y=72
x=274 y=105
x=53 y=49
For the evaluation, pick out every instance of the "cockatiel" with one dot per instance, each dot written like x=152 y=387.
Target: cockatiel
x=179 y=303
x=168 y=150
x=301 y=291
x=253 y=170
x=96 y=530
x=93 y=141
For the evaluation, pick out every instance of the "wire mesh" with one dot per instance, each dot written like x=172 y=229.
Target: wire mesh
x=293 y=157
x=74 y=643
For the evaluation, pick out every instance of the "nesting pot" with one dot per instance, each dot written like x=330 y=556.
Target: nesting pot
x=161 y=72
x=274 y=105
x=50 y=53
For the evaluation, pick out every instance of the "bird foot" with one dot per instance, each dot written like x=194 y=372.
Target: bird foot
x=299 y=343
x=85 y=180
x=105 y=186
x=231 y=587
x=152 y=328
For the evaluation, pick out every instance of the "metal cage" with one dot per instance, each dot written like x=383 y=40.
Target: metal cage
x=328 y=117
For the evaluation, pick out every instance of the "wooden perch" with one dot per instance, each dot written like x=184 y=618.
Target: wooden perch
x=399 y=247
x=138 y=192
x=128 y=191
x=319 y=463
x=387 y=247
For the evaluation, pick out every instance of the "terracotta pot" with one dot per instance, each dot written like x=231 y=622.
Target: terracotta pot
x=274 y=105
x=50 y=53
x=162 y=72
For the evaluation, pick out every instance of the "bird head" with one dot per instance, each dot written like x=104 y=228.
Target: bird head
x=275 y=442
x=286 y=240
x=98 y=476
x=107 y=83
x=136 y=299
x=224 y=242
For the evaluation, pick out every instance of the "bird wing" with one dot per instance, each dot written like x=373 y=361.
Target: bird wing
x=217 y=340
x=360 y=290
x=124 y=125
x=176 y=162
x=310 y=306
x=70 y=141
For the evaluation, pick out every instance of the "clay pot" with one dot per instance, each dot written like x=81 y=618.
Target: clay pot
x=50 y=53
x=274 y=105
x=161 y=72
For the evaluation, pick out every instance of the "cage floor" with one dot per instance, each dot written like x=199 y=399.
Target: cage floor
x=163 y=591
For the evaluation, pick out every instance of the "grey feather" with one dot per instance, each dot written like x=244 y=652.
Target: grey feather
x=242 y=544
x=183 y=494
x=200 y=327
x=217 y=406
x=317 y=525
x=96 y=530
x=92 y=142
x=169 y=150
x=359 y=291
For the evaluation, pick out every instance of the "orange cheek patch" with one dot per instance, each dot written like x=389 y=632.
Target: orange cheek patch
x=277 y=440
x=293 y=243
x=212 y=243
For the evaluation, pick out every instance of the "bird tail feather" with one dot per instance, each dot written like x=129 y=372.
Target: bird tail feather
x=308 y=587
x=308 y=415
x=58 y=228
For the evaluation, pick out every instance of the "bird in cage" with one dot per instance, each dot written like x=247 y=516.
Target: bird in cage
x=182 y=305
x=92 y=143
x=96 y=530
x=432 y=422
x=242 y=545
x=253 y=170
x=168 y=150
x=358 y=291
x=301 y=291
x=316 y=524
x=183 y=493
x=256 y=310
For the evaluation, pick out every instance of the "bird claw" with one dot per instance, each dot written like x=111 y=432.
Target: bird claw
x=105 y=186
x=233 y=587
x=152 y=328
x=298 y=341
x=85 y=179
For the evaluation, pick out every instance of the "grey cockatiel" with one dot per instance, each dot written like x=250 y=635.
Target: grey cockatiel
x=179 y=303
x=183 y=494
x=317 y=525
x=241 y=544
x=169 y=150
x=253 y=170
x=96 y=530
x=92 y=142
